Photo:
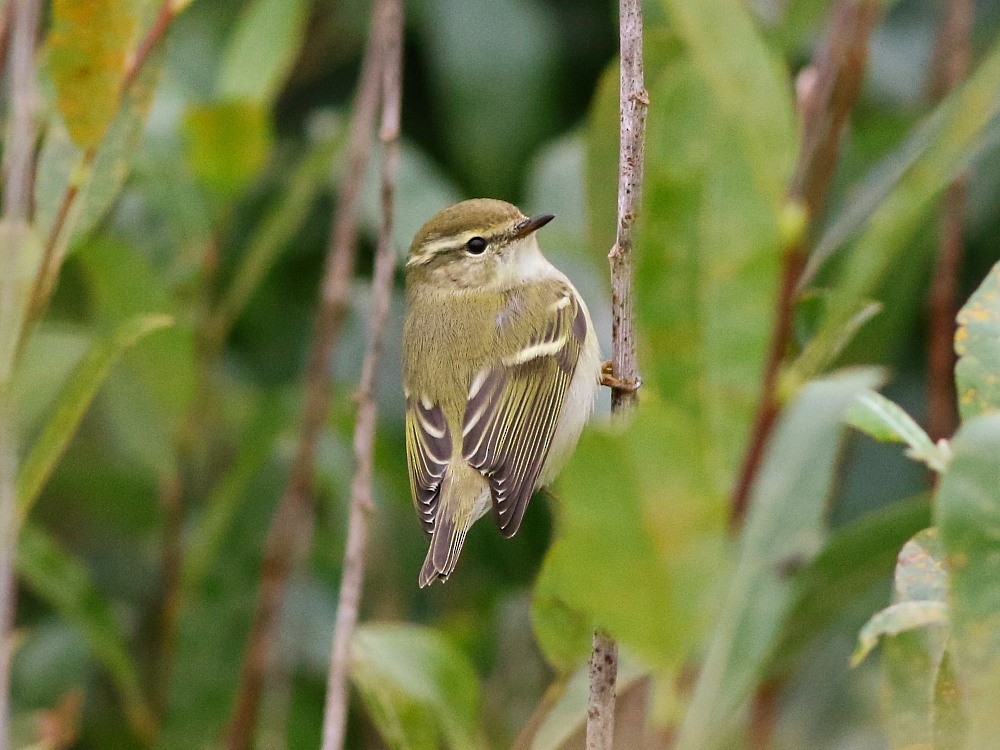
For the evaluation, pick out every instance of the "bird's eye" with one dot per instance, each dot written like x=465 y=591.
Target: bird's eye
x=476 y=246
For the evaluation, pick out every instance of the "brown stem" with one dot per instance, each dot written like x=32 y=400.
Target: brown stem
x=6 y=10
x=769 y=406
x=633 y=102
x=335 y=713
x=950 y=65
x=827 y=94
x=17 y=192
x=158 y=29
x=291 y=527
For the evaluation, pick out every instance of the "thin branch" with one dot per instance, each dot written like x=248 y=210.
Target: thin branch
x=157 y=31
x=291 y=527
x=950 y=65
x=633 y=102
x=335 y=714
x=827 y=92
x=17 y=191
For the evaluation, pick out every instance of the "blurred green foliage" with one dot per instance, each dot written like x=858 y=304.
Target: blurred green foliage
x=201 y=194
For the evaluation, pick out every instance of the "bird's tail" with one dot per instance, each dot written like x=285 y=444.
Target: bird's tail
x=458 y=508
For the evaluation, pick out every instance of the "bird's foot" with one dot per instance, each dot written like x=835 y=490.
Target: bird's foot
x=609 y=379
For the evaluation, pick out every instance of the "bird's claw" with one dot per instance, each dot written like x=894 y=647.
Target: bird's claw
x=609 y=379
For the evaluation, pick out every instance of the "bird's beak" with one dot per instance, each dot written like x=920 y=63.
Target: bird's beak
x=533 y=224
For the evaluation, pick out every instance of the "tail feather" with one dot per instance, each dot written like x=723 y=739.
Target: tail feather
x=458 y=508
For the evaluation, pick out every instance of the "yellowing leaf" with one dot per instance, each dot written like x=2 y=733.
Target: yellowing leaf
x=977 y=343
x=87 y=50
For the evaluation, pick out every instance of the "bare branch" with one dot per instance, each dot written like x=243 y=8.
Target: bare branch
x=828 y=91
x=291 y=527
x=335 y=714
x=633 y=101
x=950 y=65
x=17 y=191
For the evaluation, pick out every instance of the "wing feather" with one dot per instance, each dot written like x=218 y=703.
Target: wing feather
x=513 y=412
x=428 y=451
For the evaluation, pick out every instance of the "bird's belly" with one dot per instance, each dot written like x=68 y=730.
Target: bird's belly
x=579 y=403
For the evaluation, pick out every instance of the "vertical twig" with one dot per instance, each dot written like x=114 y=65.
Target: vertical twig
x=949 y=67
x=827 y=92
x=291 y=527
x=17 y=190
x=335 y=714
x=633 y=101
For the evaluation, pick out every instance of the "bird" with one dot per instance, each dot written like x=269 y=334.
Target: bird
x=501 y=367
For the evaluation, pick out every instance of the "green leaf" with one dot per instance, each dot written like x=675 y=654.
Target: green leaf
x=64 y=583
x=665 y=533
x=227 y=143
x=945 y=146
x=896 y=619
x=968 y=516
x=784 y=530
x=950 y=724
x=87 y=47
x=748 y=84
x=977 y=343
x=883 y=420
x=261 y=50
x=417 y=687
x=149 y=396
x=23 y=243
x=856 y=558
x=80 y=189
x=72 y=404
x=913 y=630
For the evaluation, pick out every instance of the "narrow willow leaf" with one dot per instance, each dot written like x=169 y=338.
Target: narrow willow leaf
x=72 y=404
x=261 y=50
x=87 y=47
x=977 y=343
x=953 y=138
x=784 y=530
x=968 y=516
x=417 y=687
x=748 y=84
x=896 y=619
x=883 y=420
x=64 y=583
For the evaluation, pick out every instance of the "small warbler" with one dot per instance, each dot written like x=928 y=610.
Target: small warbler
x=501 y=366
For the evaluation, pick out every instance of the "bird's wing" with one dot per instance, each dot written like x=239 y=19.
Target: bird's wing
x=513 y=407
x=428 y=451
